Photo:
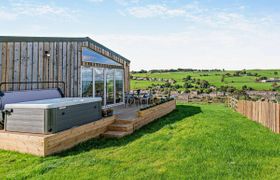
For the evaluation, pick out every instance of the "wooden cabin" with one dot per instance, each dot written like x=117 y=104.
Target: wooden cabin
x=87 y=68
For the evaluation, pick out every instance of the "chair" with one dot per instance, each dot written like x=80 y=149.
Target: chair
x=129 y=99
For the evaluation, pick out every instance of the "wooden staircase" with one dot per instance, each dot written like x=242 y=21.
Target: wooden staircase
x=119 y=129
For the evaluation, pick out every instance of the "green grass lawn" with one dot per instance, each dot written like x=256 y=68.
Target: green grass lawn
x=142 y=84
x=195 y=141
x=214 y=78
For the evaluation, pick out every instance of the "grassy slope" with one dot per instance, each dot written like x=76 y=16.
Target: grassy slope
x=216 y=79
x=195 y=141
x=142 y=84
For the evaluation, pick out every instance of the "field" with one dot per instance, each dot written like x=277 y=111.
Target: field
x=214 y=78
x=196 y=141
x=142 y=84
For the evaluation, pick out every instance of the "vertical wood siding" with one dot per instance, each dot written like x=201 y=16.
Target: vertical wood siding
x=23 y=64
x=59 y=59
x=1 y=61
x=17 y=65
x=10 y=65
x=26 y=61
x=64 y=60
x=46 y=62
x=35 y=64
x=51 y=64
x=29 y=73
x=40 y=73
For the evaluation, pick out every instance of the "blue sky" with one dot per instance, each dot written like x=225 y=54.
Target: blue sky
x=231 y=34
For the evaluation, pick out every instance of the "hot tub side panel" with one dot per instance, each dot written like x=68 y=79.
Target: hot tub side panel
x=59 y=119
x=25 y=120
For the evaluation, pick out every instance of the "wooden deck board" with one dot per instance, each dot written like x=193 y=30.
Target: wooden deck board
x=44 y=145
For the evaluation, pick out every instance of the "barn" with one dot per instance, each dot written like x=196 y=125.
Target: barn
x=80 y=67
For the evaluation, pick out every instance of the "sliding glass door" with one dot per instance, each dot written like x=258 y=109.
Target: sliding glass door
x=87 y=82
x=99 y=83
x=110 y=88
x=119 y=85
x=103 y=82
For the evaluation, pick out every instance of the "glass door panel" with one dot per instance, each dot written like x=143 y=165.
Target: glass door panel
x=99 y=83
x=119 y=85
x=110 y=86
x=87 y=82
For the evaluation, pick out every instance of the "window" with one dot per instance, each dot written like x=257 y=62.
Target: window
x=87 y=79
x=119 y=85
x=107 y=83
x=99 y=83
x=94 y=57
x=110 y=86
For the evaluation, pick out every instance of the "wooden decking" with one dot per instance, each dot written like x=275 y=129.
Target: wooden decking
x=128 y=119
x=124 y=122
x=43 y=145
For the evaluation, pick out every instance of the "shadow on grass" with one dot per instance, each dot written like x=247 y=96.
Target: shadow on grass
x=181 y=112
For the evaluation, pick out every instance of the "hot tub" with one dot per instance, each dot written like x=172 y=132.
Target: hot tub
x=51 y=115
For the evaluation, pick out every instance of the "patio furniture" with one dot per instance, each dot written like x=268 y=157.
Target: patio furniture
x=138 y=98
x=129 y=99
x=146 y=98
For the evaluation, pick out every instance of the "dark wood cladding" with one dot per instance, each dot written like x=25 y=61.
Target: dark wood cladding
x=27 y=60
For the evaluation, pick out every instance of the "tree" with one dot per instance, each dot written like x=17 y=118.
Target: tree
x=188 y=78
x=167 y=84
x=188 y=85
x=177 y=86
x=261 y=78
x=275 y=73
x=244 y=88
x=274 y=85
x=143 y=71
x=204 y=84
x=231 y=89
x=223 y=78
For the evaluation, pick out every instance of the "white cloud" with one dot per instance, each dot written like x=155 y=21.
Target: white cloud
x=197 y=49
x=155 y=11
x=212 y=38
x=96 y=1
x=127 y=2
x=7 y=16
x=21 y=8
x=197 y=16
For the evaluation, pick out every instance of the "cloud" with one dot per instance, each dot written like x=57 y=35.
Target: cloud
x=127 y=2
x=196 y=15
x=96 y=1
x=16 y=9
x=7 y=16
x=197 y=49
x=155 y=11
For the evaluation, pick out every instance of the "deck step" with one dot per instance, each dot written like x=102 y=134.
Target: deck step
x=121 y=127
x=116 y=134
x=124 y=121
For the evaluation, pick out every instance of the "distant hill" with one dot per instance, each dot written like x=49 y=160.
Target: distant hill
x=217 y=78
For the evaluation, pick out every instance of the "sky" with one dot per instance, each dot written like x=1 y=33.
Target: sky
x=159 y=34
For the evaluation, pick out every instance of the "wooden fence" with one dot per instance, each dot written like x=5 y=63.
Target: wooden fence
x=265 y=113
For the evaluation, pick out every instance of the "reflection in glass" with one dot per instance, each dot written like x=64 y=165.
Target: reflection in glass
x=110 y=86
x=94 y=57
x=99 y=83
x=119 y=85
x=87 y=79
